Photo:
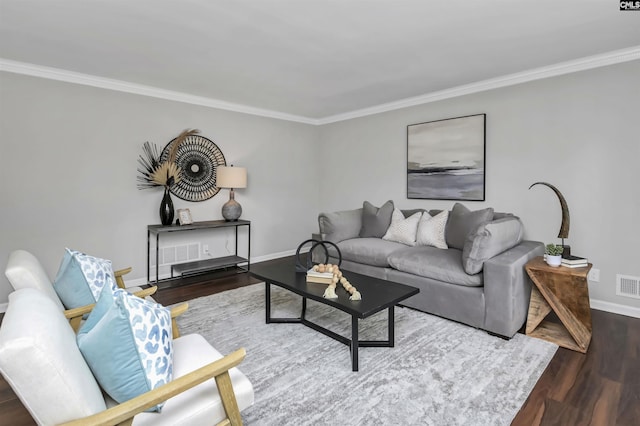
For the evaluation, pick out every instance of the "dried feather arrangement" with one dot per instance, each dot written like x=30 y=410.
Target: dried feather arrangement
x=154 y=173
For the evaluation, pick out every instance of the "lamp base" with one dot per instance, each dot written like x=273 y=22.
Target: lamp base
x=231 y=210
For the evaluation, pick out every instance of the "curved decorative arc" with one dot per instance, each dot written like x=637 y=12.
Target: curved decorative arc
x=564 y=226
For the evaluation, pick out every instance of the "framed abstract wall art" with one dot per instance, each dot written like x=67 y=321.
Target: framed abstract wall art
x=446 y=159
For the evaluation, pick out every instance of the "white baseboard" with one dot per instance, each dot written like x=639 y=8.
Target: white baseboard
x=615 y=308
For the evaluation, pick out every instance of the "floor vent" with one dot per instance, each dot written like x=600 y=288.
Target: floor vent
x=176 y=254
x=628 y=286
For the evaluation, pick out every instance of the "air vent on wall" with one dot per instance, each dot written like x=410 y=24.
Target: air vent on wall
x=177 y=254
x=628 y=286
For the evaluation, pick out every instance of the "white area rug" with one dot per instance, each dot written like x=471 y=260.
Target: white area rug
x=439 y=372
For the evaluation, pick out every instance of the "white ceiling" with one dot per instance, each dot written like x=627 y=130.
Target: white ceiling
x=310 y=58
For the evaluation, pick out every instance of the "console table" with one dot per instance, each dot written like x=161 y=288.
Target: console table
x=200 y=265
x=564 y=291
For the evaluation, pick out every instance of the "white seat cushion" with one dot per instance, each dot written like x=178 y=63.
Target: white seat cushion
x=200 y=405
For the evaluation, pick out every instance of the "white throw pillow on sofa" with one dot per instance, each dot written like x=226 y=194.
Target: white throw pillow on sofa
x=403 y=230
x=431 y=230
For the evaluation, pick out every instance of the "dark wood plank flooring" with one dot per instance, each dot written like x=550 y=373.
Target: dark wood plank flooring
x=601 y=387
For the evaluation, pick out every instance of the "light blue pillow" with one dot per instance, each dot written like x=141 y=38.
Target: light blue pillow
x=81 y=278
x=127 y=343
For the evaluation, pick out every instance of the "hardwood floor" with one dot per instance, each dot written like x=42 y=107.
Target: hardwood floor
x=601 y=387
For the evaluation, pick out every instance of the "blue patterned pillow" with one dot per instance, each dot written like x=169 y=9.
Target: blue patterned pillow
x=81 y=278
x=127 y=342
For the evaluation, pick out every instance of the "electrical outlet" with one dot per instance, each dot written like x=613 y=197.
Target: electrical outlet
x=594 y=275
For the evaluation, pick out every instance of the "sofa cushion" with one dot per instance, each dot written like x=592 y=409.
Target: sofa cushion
x=339 y=226
x=462 y=222
x=375 y=221
x=369 y=251
x=431 y=230
x=81 y=278
x=403 y=230
x=489 y=240
x=127 y=342
x=431 y=262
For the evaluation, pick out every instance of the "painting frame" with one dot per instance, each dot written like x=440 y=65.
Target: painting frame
x=446 y=159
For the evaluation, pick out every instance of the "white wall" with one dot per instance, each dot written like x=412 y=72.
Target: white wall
x=579 y=132
x=69 y=167
x=68 y=172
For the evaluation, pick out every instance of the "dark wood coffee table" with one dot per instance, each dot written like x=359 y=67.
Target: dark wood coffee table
x=376 y=295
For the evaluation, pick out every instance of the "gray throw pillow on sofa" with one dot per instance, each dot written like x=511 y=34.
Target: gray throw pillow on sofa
x=340 y=226
x=462 y=222
x=375 y=221
x=489 y=240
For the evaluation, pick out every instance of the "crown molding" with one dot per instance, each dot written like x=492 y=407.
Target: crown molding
x=590 y=62
x=582 y=64
x=139 y=89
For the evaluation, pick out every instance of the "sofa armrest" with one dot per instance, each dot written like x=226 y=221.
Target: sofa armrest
x=339 y=226
x=507 y=288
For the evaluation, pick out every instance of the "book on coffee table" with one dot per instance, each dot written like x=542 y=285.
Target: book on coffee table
x=319 y=277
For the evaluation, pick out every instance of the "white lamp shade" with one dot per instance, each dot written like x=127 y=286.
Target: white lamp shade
x=231 y=177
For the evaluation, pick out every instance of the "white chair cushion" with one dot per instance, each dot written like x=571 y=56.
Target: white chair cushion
x=200 y=405
x=25 y=271
x=42 y=363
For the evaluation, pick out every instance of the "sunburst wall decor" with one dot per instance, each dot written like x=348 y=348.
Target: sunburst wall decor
x=199 y=159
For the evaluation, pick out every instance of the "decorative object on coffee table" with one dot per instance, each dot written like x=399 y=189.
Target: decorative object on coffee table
x=564 y=225
x=337 y=277
x=446 y=159
x=232 y=178
x=553 y=254
x=304 y=267
x=162 y=170
x=564 y=291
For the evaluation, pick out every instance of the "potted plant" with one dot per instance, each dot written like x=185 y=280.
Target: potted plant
x=553 y=254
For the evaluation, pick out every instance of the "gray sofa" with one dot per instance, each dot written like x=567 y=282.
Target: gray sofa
x=479 y=280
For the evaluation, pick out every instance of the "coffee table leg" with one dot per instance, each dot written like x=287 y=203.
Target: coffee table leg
x=391 y=322
x=354 y=343
x=267 y=295
x=304 y=308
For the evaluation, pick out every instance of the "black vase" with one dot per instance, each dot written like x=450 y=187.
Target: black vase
x=166 y=208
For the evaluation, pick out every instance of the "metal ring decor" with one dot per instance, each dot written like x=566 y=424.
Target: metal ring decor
x=302 y=267
x=199 y=159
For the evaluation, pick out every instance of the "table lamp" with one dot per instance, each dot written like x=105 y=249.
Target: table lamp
x=231 y=177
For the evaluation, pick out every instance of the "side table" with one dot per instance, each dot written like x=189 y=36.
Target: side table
x=564 y=291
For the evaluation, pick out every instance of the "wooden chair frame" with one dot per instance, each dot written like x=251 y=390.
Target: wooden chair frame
x=123 y=414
